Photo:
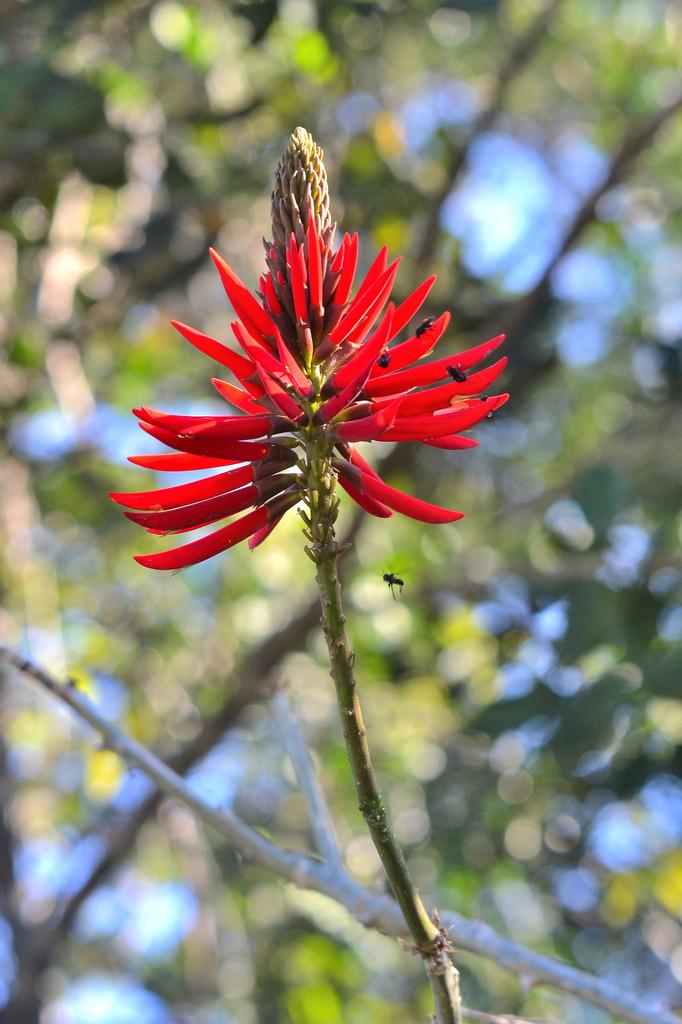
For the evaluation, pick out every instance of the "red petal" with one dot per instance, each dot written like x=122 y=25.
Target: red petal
x=185 y=529
x=373 y=313
x=368 y=303
x=178 y=463
x=271 y=295
x=260 y=535
x=415 y=508
x=371 y=505
x=357 y=460
x=417 y=428
x=239 y=451
x=349 y=258
x=216 y=428
x=296 y=374
x=412 y=303
x=337 y=260
x=454 y=443
x=235 y=396
x=375 y=271
x=205 y=547
x=297 y=275
x=240 y=366
x=369 y=427
x=429 y=373
x=261 y=355
x=414 y=348
x=439 y=397
x=245 y=305
x=314 y=264
x=362 y=360
x=277 y=394
x=184 y=494
x=201 y=513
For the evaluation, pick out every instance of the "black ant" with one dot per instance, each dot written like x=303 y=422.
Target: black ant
x=456 y=374
x=424 y=326
x=384 y=360
x=393 y=581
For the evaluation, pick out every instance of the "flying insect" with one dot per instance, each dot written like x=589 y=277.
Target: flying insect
x=393 y=581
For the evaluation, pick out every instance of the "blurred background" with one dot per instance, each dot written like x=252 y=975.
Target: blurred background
x=523 y=693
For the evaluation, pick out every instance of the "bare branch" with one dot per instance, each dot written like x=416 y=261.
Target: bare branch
x=493 y=1018
x=255 y=685
x=304 y=767
x=371 y=909
x=250 y=843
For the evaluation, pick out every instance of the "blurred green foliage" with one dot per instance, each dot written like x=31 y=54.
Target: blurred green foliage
x=523 y=694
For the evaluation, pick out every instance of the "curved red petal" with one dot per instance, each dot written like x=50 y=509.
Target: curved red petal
x=184 y=494
x=314 y=264
x=260 y=535
x=368 y=321
x=415 y=508
x=205 y=547
x=235 y=396
x=270 y=294
x=430 y=373
x=376 y=269
x=297 y=277
x=411 y=304
x=200 y=513
x=211 y=509
x=172 y=463
x=414 y=348
x=296 y=374
x=239 y=428
x=371 y=505
x=277 y=394
x=258 y=352
x=369 y=427
x=357 y=460
x=240 y=451
x=222 y=354
x=417 y=428
x=348 y=264
x=365 y=356
x=367 y=307
x=453 y=443
x=440 y=397
x=337 y=258
x=245 y=305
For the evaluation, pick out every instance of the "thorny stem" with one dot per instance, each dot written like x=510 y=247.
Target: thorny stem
x=430 y=941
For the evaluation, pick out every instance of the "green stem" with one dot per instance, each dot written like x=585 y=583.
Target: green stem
x=430 y=941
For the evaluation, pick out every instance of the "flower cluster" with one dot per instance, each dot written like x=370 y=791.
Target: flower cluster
x=317 y=363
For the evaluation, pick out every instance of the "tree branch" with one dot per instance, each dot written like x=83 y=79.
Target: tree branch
x=494 y=1018
x=256 y=684
x=321 y=822
x=371 y=909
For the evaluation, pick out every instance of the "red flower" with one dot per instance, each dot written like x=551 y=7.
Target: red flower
x=313 y=360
